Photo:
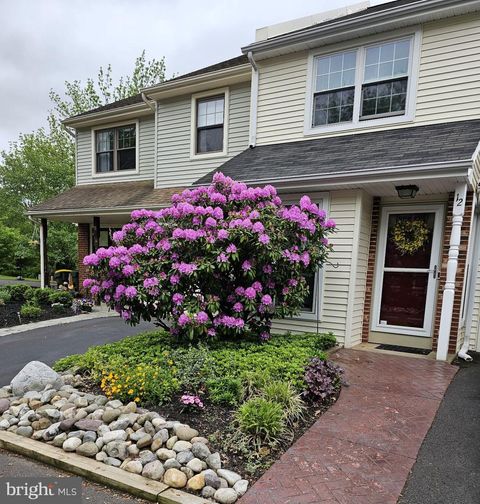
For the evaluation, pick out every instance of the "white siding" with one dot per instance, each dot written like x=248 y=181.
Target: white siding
x=474 y=329
x=175 y=167
x=335 y=299
x=447 y=88
x=146 y=153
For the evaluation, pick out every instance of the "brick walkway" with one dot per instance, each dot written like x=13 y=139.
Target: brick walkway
x=362 y=449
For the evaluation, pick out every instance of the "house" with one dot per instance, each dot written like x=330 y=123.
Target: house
x=372 y=111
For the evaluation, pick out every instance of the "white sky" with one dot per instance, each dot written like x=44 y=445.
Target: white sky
x=46 y=42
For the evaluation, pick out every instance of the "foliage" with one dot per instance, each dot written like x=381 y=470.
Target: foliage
x=194 y=366
x=82 y=305
x=253 y=382
x=221 y=261
x=149 y=384
x=30 y=311
x=41 y=164
x=225 y=390
x=40 y=297
x=62 y=297
x=19 y=292
x=325 y=341
x=323 y=380
x=5 y=296
x=261 y=419
x=283 y=357
x=289 y=399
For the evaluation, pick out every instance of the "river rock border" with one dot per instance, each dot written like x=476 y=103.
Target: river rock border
x=44 y=406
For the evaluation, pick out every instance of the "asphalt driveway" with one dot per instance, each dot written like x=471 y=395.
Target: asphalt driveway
x=447 y=470
x=48 y=344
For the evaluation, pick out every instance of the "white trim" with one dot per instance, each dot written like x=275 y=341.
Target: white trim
x=317 y=311
x=414 y=34
x=193 y=123
x=155 y=146
x=96 y=175
x=426 y=331
x=254 y=107
x=42 y=258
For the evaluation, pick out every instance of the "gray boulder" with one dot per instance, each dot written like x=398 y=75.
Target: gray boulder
x=35 y=376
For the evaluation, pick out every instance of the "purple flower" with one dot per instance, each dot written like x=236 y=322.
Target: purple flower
x=257 y=286
x=239 y=291
x=177 y=298
x=264 y=239
x=330 y=223
x=211 y=332
x=246 y=265
x=118 y=236
x=222 y=257
x=222 y=234
x=130 y=292
x=94 y=290
x=150 y=282
x=126 y=314
x=128 y=270
x=210 y=222
x=88 y=282
x=267 y=269
x=238 y=307
x=258 y=227
x=267 y=300
x=183 y=320
x=91 y=260
x=265 y=336
x=231 y=249
x=186 y=268
x=250 y=293
x=114 y=262
x=174 y=279
x=201 y=317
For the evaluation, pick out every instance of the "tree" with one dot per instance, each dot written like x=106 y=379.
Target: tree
x=221 y=261
x=41 y=164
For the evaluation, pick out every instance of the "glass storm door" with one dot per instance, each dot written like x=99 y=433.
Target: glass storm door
x=407 y=270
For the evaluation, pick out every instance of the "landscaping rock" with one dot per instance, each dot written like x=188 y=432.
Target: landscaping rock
x=42 y=423
x=175 y=478
x=200 y=450
x=162 y=435
x=226 y=495
x=101 y=456
x=241 y=487
x=52 y=431
x=195 y=465
x=35 y=376
x=134 y=466
x=164 y=454
x=211 y=479
x=4 y=405
x=4 y=424
x=120 y=424
x=115 y=404
x=116 y=435
x=230 y=476
x=71 y=444
x=208 y=492
x=110 y=415
x=153 y=470
x=25 y=431
x=87 y=449
x=117 y=449
x=156 y=445
x=196 y=483
x=146 y=456
x=180 y=446
x=184 y=457
x=144 y=441
x=172 y=464
x=48 y=395
x=60 y=439
x=171 y=441
x=184 y=432
x=88 y=425
x=133 y=451
x=187 y=471
x=89 y=436
x=214 y=461
x=199 y=439
x=112 y=461
x=66 y=425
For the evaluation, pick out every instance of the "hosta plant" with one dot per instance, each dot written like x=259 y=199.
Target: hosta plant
x=223 y=260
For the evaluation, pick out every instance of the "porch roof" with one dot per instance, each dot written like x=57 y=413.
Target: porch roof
x=100 y=198
x=434 y=148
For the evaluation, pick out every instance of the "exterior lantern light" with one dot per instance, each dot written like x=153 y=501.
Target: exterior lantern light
x=407 y=191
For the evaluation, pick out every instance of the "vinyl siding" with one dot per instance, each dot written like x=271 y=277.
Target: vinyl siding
x=474 y=328
x=175 y=166
x=336 y=281
x=447 y=88
x=146 y=154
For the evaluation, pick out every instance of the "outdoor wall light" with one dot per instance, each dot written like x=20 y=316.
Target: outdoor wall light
x=407 y=191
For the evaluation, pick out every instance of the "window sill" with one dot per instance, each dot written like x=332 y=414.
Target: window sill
x=208 y=155
x=114 y=173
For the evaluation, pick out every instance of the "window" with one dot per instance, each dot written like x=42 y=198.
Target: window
x=384 y=89
x=115 y=149
x=334 y=88
x=357 y=87
x=210 y=116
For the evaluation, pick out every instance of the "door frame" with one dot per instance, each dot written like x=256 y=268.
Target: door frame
x=435 y=258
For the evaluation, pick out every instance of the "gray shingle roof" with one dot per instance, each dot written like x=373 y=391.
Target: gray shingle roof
x=133 y=100
x=359 y=152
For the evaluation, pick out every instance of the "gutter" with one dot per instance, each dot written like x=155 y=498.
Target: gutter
x=253 y=101
x=149 y=102
x=353 y=22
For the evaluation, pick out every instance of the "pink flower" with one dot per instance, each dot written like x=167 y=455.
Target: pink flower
x=258 y=227
x=91 y=260
x=238 y=307
x=130 y=292
x=126 y=314
x=250 y=293
x=177 y=298
x=210 y=222
x=174 y=279
x=222 y=257
x=267 y=300
x=183 y=320
x=231 y=249
x=201 y=317
x=128 y=270
x=264 y=239
x=222 y=234
x=88 y=282
x=150 y=282
x=246 y=265
x=257 y=286
x=114 y=262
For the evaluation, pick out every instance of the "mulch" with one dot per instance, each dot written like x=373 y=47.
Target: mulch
x=10 y=314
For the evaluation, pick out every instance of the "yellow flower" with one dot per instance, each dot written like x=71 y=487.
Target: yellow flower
x=130 y=392
x=137 y=399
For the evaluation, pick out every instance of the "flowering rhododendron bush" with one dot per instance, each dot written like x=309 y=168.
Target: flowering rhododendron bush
x=221 y=261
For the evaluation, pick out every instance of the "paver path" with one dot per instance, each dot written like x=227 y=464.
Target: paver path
x=362 y=449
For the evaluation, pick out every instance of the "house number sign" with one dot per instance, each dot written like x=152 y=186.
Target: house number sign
x=459 y=200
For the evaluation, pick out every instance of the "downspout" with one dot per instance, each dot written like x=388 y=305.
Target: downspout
x=253 y=101
x=148 y=101
x=471 y=286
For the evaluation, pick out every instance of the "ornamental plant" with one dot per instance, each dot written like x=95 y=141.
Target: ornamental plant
x=222 y=261
x=323 y=380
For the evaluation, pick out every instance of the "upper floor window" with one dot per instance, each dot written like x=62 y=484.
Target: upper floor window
x=210 y=124
x=115 y=149
x=358 y=86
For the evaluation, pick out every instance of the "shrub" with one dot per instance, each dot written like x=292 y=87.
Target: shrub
x=222 y=261
x=61 y=297
x=142 y=383
x=253 y=382
x=284 y=394
x=227 y=390
x=30 y=311
x=41 y=297
x=323 y=380
x=19 y=292
x=261 y=419
x=325 y=341
x=5 y=296
x=194 y=367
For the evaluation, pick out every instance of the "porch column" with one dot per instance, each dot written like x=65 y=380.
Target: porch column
x=44 y=279
x=96 y=234
x=449 y=289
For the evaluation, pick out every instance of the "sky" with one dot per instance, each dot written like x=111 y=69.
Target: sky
x=44 y=43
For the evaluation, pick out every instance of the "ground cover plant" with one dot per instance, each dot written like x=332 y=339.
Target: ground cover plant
x=250 y=396
x=222 y=261
x=20 y=303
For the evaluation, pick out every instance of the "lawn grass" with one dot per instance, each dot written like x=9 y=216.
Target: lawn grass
x=7 y=277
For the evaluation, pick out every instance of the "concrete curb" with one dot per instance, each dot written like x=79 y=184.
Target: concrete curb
x=90 y=469
x=54 y=322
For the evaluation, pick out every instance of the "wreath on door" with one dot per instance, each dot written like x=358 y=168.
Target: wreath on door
x=410 y=235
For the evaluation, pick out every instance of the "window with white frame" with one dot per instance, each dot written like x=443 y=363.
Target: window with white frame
x=210 y=115
x=115 y=149
x=370 y=82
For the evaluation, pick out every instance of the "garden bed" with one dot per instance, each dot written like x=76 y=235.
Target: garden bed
x=9 y=314
x=156 y=372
